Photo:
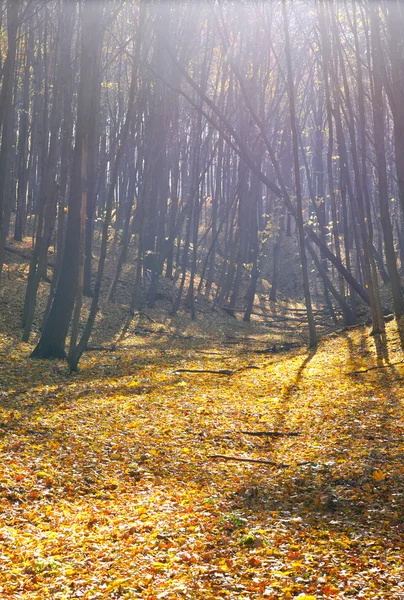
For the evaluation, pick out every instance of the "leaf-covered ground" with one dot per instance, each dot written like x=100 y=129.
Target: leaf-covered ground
x=108 y=490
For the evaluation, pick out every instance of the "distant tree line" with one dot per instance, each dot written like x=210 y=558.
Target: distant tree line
x=186 y=137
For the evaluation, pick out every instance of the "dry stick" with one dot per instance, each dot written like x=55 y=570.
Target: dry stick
x=240 y=339
x=237 y=342
x=143 y=314
x=256 y=460
x=283 y=310
x=213 y=352
x=24 y=254
x=303 y=310
x=400 y=362
x=273 y=325
x=249 y=460
x=275 y=317
x=276 y=348
x=271 y=433
x=218 y=371
x=112 y=348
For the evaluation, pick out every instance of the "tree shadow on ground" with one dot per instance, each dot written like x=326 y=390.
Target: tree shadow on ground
x=355 y=500
x=348 y=510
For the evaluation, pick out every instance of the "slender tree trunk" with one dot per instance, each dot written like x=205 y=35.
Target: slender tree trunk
x=47 y=200
x=6 y=120
x=22 y=171
x=380 y=148
x=299 y=208
x=53 y=338
x=126 y=236
x=77 y=350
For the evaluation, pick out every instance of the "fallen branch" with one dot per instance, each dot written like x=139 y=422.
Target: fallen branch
x=101 y=348
x=273 y=316
x=17 y=251
x=217 y=371
x=324 y=311
x=251 y=460
x=181 y=336
x=275 y=325
x=211 y=352
x=143 y=314
x=271 y=433
x=275 y=349
x=238 y=341
x=25 y=255
x=148 y=332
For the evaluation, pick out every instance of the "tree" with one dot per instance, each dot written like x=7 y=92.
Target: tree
x=53 y=338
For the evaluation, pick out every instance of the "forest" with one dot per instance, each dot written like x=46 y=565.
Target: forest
x=201 y=299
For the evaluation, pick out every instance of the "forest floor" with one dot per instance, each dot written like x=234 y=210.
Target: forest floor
x=116 y=481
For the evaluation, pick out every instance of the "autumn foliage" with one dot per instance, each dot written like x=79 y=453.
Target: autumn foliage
x=108 y=489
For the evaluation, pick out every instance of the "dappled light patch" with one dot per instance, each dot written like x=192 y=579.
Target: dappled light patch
x=108 y=490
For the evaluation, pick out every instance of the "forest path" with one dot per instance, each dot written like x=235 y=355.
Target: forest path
x=108 y=491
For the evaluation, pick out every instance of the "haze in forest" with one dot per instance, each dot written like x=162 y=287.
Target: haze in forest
x=201 y=143
x=201 y=299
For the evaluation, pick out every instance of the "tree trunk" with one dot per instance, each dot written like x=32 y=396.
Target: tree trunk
x=380 y=149
x=6 y=120
x=299 y=208
x=53 y=338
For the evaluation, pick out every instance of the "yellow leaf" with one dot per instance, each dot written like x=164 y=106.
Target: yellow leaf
x=223 y=566
x=379 y=475
x=115 y=584
x=41 y=474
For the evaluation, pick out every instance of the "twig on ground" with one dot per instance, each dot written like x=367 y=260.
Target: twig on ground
x=272 y=433
x=101 y=348
x=143 y=314
x=256 y=460
x=249 y=460
x=217 y=371
x=274 y=316
x=275 y=349
x=25 y=255
x=212 y=352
